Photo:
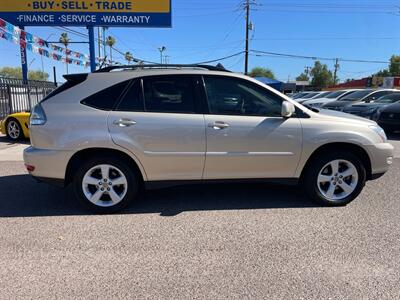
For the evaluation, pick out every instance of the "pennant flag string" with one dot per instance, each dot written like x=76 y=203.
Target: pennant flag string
x=35 y=44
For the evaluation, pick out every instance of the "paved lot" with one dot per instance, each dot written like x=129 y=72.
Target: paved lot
x=222 y=241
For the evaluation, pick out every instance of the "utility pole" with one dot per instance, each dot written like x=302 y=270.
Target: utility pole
x=336 y=69
x=161 y=49
x=246 y=58
x=307 y=70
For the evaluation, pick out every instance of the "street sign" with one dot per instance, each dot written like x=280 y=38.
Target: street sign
x=130 y=13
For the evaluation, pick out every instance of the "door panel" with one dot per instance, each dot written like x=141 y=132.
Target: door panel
x=167 y=136
x=252 y=147
x=169 y=146
x=246 y=135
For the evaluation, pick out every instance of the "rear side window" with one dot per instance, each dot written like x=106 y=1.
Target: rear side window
x=107 y=98
x=133 y=98
x=170 y=94
x=72 y=80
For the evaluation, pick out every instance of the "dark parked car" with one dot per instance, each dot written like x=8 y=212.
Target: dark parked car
x=370 y=110
x=389 y=117
x=366 y=95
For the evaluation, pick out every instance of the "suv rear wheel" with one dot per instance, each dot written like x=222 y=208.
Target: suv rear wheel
x=106 y=185
x=335 y=179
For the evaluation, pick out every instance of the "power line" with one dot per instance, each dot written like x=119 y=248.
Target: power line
x=286 y=55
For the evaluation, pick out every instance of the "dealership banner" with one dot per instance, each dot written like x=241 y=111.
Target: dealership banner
x=130 y=13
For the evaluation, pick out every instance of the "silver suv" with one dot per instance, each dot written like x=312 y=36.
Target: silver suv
x=110 y=132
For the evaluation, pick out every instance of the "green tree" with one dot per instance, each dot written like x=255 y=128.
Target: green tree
x=303 y=77
x=38 y=75
x=383 y=73
x=394 y=66
x=64 y=39
x=321 y=76
x=128 y=57
x=262 y=72
x=17 y=73
x=110 y=42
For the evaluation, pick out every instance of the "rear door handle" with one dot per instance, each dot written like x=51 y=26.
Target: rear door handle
x=124 y=122
x=218 y=125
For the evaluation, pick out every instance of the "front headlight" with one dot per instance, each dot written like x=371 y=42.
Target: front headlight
x=378 y=130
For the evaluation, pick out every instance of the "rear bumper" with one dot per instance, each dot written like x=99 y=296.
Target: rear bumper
x=48 y=164
x=381 y=156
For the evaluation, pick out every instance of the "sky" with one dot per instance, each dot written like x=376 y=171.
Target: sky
x=205 y=30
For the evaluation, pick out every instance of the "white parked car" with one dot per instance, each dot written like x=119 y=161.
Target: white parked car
x=333 y=96
x=313 y=95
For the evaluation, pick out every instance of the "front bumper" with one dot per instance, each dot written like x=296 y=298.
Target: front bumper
x=381 y=156
x=49 y=164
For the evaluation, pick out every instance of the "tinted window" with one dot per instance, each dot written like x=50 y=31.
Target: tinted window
x=335 y=95
x=378 y=95
x=133 y=98
x=391 y=98
x=310 y=95
x=357 y=95
x=231 y=96
x=106 y=99
x=174 y=94
x=72 y=80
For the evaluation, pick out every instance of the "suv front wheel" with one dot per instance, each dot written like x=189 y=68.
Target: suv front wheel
x=335 y=179
x=106 y=185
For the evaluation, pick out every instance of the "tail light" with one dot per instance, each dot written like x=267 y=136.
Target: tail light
x=38 y=117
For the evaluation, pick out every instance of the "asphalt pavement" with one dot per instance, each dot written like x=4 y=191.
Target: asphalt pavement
x=210 y=241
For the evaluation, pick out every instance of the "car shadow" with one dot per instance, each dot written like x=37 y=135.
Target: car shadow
x=22 y=196
x=5 y=140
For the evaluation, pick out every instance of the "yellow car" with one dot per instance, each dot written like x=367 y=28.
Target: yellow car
x=16 y=126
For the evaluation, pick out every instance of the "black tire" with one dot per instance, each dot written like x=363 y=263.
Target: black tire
x=310 y=179
x=131 y=176
x=10 y=136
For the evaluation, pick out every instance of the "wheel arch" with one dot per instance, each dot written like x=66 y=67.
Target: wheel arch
x=84 y=154
x=360 y=152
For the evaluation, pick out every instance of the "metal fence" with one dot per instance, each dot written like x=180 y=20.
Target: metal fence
x=17 y=96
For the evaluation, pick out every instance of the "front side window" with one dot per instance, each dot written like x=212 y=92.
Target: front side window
x=170 y=94
x=233 y=96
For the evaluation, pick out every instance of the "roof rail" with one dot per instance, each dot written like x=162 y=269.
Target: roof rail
x=161 y=66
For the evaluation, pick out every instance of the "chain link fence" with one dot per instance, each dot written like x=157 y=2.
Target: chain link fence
x=17 y=96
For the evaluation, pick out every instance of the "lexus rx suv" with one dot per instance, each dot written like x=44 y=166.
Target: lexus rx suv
x=114 y=131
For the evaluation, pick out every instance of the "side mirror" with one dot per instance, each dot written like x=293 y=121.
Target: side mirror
x=288 y=109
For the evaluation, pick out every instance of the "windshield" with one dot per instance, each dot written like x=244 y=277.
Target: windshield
x=389 y=98
x=310 y=95
x=323 y=95
x=336 y=94
x=356 y=95
x=299 y=95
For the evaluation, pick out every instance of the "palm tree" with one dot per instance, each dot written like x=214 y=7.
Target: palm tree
x=64 y=39
x=110 y=41
x=128 y=57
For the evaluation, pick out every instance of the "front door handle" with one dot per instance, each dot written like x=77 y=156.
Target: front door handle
x=218 y=125
x=124 y=122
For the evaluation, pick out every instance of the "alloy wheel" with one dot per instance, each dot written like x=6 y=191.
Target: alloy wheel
x=337 y=180
x=13 y=129
x=104 y=185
